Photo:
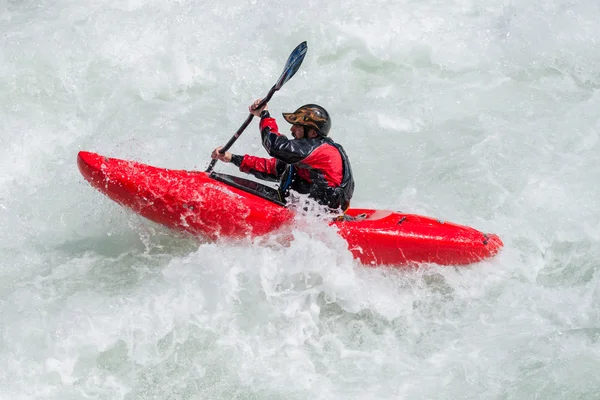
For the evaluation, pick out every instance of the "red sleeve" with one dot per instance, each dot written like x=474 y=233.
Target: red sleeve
x=271 y=123
x=259 y=164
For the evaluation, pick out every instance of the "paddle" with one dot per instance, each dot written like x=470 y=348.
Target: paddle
x=291 y=67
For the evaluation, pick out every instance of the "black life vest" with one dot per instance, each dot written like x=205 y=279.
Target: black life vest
x=333 y=197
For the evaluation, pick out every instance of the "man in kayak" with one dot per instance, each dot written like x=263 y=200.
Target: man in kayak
x=311 y=163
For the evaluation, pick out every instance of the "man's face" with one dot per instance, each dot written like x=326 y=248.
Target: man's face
x=297 y=131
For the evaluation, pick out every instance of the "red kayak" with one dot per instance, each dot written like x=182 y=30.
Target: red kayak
x=223 y=206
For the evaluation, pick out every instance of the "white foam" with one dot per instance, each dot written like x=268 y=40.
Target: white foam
x=480 y=113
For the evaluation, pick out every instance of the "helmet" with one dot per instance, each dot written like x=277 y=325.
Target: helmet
x=312 y=116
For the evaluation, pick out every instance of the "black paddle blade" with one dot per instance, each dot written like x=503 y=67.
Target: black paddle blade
x=292 y=65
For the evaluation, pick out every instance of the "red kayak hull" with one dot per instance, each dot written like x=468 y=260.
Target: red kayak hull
x=194 y=202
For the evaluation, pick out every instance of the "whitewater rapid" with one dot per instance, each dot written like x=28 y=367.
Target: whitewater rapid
x=479 y=113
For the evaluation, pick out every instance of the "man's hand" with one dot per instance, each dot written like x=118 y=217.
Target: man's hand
x=225 y=157
x=256 y=111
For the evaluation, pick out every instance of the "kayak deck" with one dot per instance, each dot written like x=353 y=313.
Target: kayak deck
x=387 y=237
x=223 y=206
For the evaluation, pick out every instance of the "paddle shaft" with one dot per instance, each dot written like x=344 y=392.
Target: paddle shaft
x=242 y=128
x=291 y=67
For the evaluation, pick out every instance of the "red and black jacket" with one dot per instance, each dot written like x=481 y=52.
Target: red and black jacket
x=318 y=167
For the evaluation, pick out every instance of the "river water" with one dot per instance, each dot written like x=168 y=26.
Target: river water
x=480 y=113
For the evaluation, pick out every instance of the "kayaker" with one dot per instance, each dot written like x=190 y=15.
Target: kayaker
x=310 y=163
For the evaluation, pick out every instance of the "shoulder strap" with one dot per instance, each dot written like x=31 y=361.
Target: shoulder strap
x=347 y=184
